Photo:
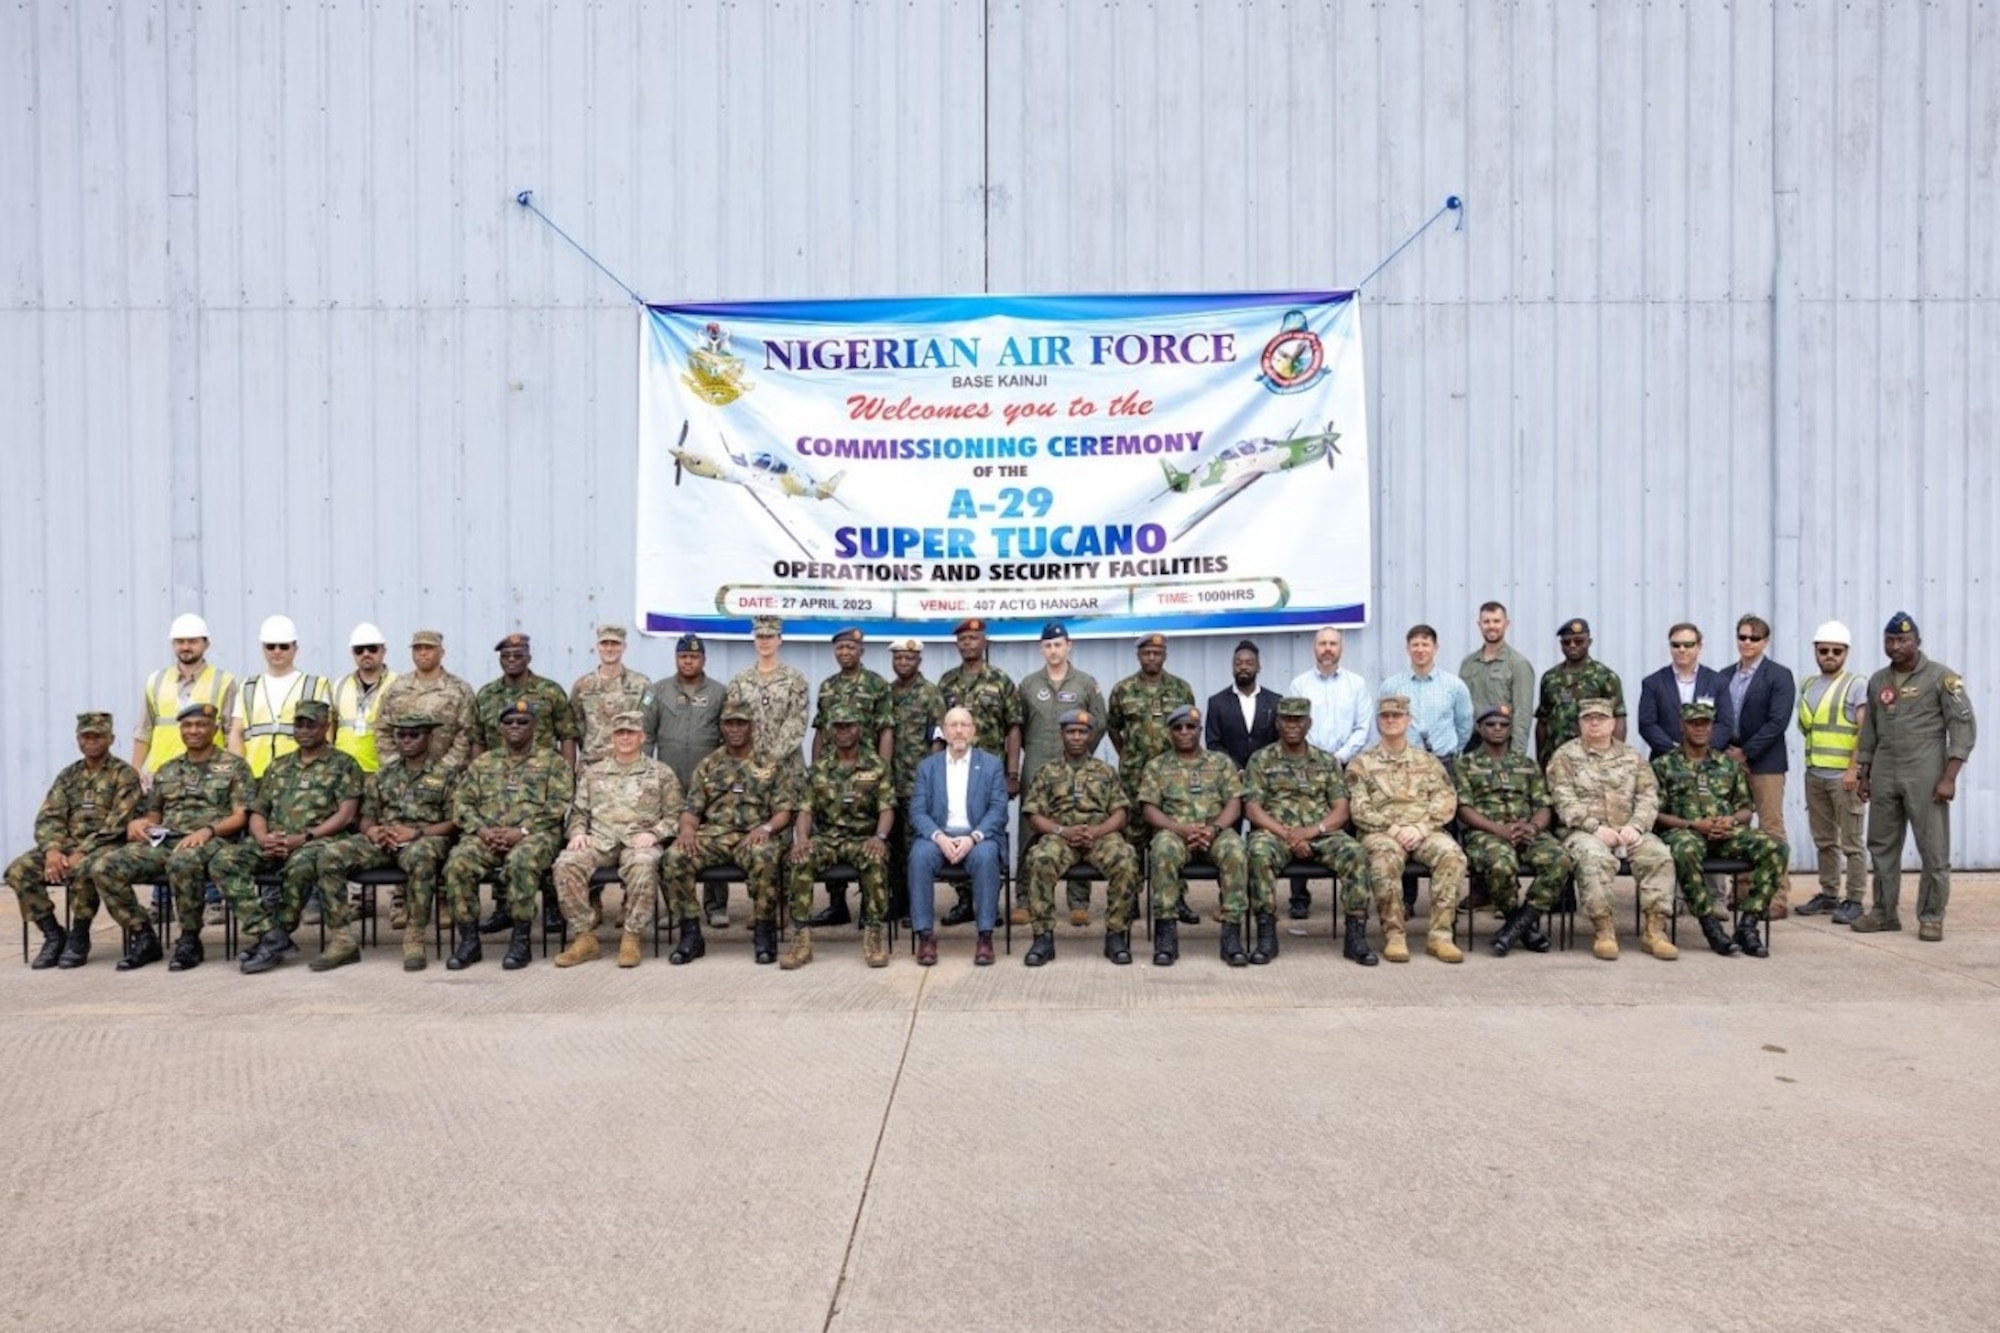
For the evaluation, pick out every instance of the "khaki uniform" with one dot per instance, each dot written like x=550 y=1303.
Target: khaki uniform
x=1409 y=789
x=1610 y=788
x=614 y=803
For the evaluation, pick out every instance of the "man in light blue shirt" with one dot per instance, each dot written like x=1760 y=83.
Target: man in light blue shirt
x=1440 y=704
x=1341 y=704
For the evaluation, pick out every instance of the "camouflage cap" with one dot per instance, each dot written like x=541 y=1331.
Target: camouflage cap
x=1569 y=628
x=1698 y=710
x=734 y=709
x=842 y=715
x=1074 y=717
x=690 y=643
x=519 y=708
x=1900 y=623
x=412 y=722
x=1185 y=713
x=629 y=721
x=1154 y=640
x=611 y=634
x=907 y=646
x=972 y=626
x=1494 y=710
x=1295 y=705
x=1596 y=708
x=94 y=724
x=1392 y=703
x=763 y=627
x=1055 y=629
x=427 y=638
x=852 y=634
x=311 y=710
x=511 y=641
x=205 y=711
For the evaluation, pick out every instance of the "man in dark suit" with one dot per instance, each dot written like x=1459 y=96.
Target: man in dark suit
x=1756 y=706
x=1684 y=680
x=1244 y=718
x=958 y=816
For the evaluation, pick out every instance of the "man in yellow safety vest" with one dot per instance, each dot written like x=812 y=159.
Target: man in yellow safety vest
x=357 y=696
x=192 y=679
x=260 y=727
x=1831 y=707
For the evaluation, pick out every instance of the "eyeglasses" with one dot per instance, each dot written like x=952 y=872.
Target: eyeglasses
x=517 y=722
x=1684 y=644
x=1750 y=638
x=277 y=647
x=361 y=648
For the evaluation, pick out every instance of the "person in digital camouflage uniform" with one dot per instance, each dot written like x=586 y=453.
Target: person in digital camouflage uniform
x=405 y=824
x=844 y=816
x=1079 y=807
x=1503 y=802
x=1191 y=799
x=1705 y=810
x=627 y=809
x=1567 y=684
x=1606 y=800
x=1402 y=800
x=1297 y=800
x=432 y=692
x=86 y=811
x=776 y=694
x=509 y=808
x=598 y=698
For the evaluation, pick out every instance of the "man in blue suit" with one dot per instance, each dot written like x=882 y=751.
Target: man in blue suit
x=1757 y=704
x=1684 y=680
x=958 y=816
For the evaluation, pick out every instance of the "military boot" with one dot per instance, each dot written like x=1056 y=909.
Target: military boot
x=1653 y=938
x=144 y=949
x=874 y=948
x=596 y=908
x=399 y=909
x=1509 y=935
x=76 y=947
x=801 y=951
x=271 y=948
x=520 y=946
x=1439 y=945
x=1876 y=921
x=1532 y=937
x=1605 y=946
x=1395 y=943
x=1043 y=950
x=961 y=910
x=1356 y=943
x=764 y=942
x=1747 y=938
x=691 y=945
x=1232 y=945
x=187 y=953
x=1118 y=946
x=1717 y=935
x=339 y=952
x=836 y=913
x=581 y=949
x=54 y=937
x=628 y=949
x=415 y=959
x=1267 y=940
x=1186 y=915
x=552 y=917
x=715 y=898
x=500 y=919
x=468 y=950
x=1166 y=941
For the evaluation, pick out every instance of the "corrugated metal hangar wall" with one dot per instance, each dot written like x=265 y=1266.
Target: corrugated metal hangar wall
x=275 y=336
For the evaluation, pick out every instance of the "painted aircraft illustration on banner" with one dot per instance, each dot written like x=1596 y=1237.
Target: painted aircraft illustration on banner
x=756 y=472
x=1247 y=462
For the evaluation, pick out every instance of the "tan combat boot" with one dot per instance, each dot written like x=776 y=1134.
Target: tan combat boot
x=399 y=910
x=1606 y=944
x=415 y=958
x=1395 y=947
x=873 y=948
x=340 y=951
x=581 y=950
x=1439 y=946
x=1653 y=938
x=801 y=951
x=628 y=950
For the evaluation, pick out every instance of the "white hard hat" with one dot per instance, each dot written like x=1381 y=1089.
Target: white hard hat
x=188 y=626
x=365 y=634
x=278 y=629
x=1833 y=632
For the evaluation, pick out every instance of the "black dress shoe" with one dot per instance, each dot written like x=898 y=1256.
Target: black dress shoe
x=520 y=947
x=960 y=913
x=836 y=913
x=1043 y=950
x=468 y=950
x=1118 y=946
x=1186 y=915
x=691 y=945
x=145 y=949
x=187 y=953
x=1166 y=942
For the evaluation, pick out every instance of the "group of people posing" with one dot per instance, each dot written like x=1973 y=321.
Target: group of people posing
x=277 y=793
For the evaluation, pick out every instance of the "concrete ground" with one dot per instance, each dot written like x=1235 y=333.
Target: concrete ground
x=1535 y=1142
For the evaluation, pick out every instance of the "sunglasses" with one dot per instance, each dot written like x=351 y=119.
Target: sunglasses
x=275 y=647
x=361 y=648
x=1689 y=643
x=1829 y=650
x=1182 y=726
x=1750 y=638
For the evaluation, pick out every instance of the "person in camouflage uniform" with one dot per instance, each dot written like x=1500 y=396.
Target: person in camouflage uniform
x=845 y=813
x=1191 y=799
x=1402 y=799
x=626 y=811
x=306 y=800
x=509 y=808
x=1705 y=810
x=405 y=824
x=1079 y=807
x=199 y=801
x=1503 y=802
x=1606 y=798
x=775 y=694
x=1137 y=724
x=431 y=691
x=85 y=811
x=994 y=700
x=866 y=694
x=1567 y=684
x=739 y=800
x=555 y=720
x=1297 y=801
x=916 y=711
x=600 y=697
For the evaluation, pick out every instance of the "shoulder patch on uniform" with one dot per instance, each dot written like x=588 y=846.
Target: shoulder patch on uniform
x=1953 y=684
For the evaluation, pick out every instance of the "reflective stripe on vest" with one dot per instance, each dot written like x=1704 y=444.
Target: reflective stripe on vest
x=357 y=718
x=1830 y=738
x=268 y=734
x=163 y=689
